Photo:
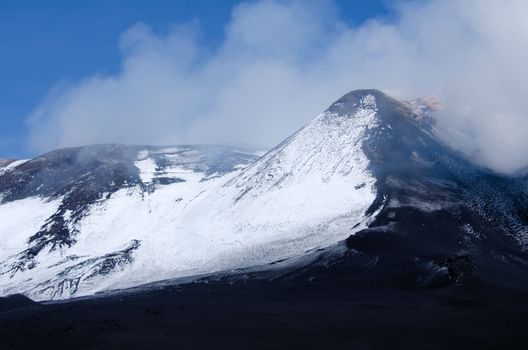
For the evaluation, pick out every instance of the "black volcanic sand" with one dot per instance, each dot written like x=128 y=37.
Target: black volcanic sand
x=265 y=315
x=15 y=302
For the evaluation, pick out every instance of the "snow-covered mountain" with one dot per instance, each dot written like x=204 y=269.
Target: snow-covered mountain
x=84 y=220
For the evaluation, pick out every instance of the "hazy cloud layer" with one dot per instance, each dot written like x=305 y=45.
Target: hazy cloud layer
x=283 y=62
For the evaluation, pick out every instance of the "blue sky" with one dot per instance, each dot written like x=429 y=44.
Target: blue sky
x=46 y=42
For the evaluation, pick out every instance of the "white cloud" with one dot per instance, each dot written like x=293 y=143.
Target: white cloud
x=282 y=62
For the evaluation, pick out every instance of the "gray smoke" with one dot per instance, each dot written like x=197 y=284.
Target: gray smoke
x=282 y=62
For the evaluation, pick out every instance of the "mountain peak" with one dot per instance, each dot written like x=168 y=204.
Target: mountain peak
x=355 y=96
x=370 y=98
x=359 y=93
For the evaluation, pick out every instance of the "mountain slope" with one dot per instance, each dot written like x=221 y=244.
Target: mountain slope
x=59 y=234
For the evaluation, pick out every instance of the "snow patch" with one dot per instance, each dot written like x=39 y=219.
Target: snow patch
x=21 y=219
x=146 y=167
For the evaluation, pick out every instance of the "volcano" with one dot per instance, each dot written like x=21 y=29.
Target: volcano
x=365 y=200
